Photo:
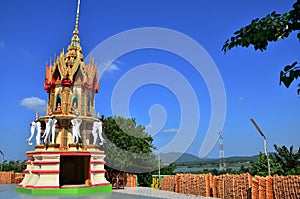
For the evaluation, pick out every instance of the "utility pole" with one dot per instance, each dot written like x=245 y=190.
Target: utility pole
x=158 y=157
x=221 y=152
x=265 y=144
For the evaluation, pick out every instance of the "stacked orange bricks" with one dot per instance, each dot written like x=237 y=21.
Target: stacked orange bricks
x=259 y=188
x=231 y=186
x=10 y=177
x=228 y=186
x=286 y=186
x=188 y=184
x=19 y=177
x=168 y=183
x=130 y=180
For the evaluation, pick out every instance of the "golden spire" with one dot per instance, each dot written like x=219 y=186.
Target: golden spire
x=74 y=56
x=74 y=49
x=75 y=38
x=77 y=16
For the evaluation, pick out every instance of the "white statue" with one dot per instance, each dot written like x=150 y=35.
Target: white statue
x=76 y=129
x=50 y=129
x=97 y=130
x=35 y=126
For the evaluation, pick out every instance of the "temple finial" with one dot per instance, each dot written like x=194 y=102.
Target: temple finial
x=36 y=115
x=74 y=51
x=75 y=38
x=77 y=16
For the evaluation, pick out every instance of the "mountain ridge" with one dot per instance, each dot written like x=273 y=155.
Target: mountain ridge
x=189 y=158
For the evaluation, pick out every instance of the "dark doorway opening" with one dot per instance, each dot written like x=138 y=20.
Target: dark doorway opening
x=74 y=170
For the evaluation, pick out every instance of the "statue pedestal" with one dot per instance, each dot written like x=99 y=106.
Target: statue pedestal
x=40 y=147
x=52 y=147
x=76 y=147
x=54 y=171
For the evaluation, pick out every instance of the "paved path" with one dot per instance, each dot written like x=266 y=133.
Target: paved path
x=8 y=192
x=155 y=193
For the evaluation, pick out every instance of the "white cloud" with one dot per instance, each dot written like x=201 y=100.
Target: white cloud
x=34 y=103
x=149 y=126
x=170 y=130
x=149 y=129
x=110 y=67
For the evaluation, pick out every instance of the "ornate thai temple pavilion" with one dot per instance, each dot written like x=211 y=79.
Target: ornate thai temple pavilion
x=67 y=158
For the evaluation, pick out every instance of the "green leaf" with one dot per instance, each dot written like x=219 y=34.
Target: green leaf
x=297 y=73
x=294 y=64
x=286 y=81
x=287 y=68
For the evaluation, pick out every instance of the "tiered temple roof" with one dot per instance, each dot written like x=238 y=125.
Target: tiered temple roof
x=69 y=68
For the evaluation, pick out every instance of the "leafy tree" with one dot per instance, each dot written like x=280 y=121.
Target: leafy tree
x=128 y=149
x=144 y=179
x=270 y=28
x=261 y=166
x=243 y=169
x=283 y=162
x=16 y=166
x=288 y=160
x=166 y=170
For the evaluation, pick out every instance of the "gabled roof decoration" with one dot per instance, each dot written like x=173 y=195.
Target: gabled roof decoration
x=67 y=67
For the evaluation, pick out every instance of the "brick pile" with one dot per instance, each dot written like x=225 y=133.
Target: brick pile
x=19 y=177
x=130 y=180
x=188 y=184
x=232 y=186
x=286 y=186
x=254 y=189
x=10 y=177
x=269 y=187
x=169 y=183
x=242 y=186
x=6 y=177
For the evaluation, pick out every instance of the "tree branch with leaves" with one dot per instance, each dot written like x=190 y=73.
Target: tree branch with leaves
x=271 y=28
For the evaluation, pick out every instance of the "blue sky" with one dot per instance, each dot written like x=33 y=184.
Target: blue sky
x=32 y=31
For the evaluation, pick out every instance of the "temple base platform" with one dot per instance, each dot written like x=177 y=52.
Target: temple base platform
x=53 y=171
x=67 y=190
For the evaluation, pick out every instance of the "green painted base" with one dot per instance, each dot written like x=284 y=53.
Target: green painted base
x=67 y=191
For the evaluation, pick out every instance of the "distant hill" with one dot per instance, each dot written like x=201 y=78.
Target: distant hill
x=185 y=157
x=241 y=158
x=189 y=158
